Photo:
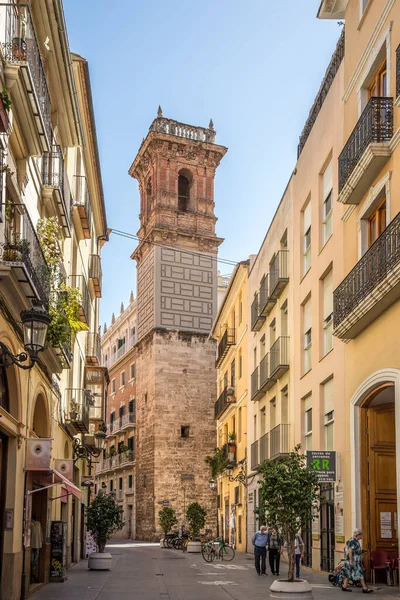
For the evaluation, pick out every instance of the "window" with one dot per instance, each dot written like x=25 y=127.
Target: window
x=378 y=85
x=377 y=223
x=307 y=339
x=284 y=318
x=112 y=417
x=233 y=369
x=130 y=481
x=240 y=308
x=254 y=358
x=121 y=483
x=262 y=347
x=121 y=342
x=307 y=238
x=308 y=422
x=327 y=313
x=272 y=332
x=363 y=5
x=284 y=405
x=113 y=386
x=263 y=422
x=120 y=446
x=122 y=378
x=185 y=431
x=132 y=405
x=240 y=424
x=133 y=336
x=272 y=413
x=225 y=379
x=111 y=485
x=183 y=193
x=327 y=203
x=240 y=364
x=328 y=408
x=122 y=410
x=133 y=371
x=131 y=443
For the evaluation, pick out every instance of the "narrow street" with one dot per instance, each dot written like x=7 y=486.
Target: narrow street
x=147 y=572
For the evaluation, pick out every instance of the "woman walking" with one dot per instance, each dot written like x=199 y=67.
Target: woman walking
x=353 y=567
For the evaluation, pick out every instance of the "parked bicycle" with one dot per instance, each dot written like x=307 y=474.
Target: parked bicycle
x=223 y=552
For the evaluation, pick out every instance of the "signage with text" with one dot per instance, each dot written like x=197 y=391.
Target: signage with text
x=323 y=462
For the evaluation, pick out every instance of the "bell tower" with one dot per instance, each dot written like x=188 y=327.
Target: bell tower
x=177 y=303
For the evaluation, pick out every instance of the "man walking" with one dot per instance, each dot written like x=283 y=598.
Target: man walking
x=260 y=542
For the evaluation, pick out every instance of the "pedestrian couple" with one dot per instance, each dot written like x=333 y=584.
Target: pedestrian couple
x=261 y=540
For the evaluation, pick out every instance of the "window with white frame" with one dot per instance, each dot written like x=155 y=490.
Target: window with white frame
x=307 y=405
x=240 y=364
x=327 y=203
x=113 y=386
x=133 y=371
x=122 y=382
x=327 y=324
x=307 y=238
x=307 y=336
x=328 y=408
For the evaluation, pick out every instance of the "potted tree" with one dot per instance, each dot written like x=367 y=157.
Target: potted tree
x=232 y=446
x=104 y=516
x=167 y=519
x=196 y=516
x=289 y=496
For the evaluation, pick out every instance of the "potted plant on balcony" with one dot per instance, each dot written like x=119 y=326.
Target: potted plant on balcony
x=167 y=519
x=196 y=516
x=217 y=462
x=5 y=106
x=232 y=446
x=15 y=249
x=104 y=517
x=289 y=495
x=74 y=410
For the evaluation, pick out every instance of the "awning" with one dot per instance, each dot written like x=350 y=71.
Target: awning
x=71 y=488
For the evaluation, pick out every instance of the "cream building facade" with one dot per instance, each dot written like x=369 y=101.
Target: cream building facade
x=230 y=331
x=49 y=168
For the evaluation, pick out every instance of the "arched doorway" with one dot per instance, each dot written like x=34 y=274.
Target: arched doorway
x=378 y=470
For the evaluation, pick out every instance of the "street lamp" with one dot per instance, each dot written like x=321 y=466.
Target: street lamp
x=239 y=478
x=85 y=451
x=35 y=323
x=211 y=483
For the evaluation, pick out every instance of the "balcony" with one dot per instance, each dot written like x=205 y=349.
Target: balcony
x=24 y=74
x=79 y=281
x=96 y=380
x=266 y=302
x=93 y=350
x=128 y=419
x=227 y=340
x=223 y=402
x=78 y=402
x=279 y=441
x=366 y=150
x=256 y=392
x=95 y=274
x=264 y=448
x=254 y=462
x=278 y=274
x=83 y=204
x=370 y=287
x=125 y=457
x=257 y=320
x=64 y=351
x=55 y=187
x=279 y=357
x=21 y=258
x=266 y=382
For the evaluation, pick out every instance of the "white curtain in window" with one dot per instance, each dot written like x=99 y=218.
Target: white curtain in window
x=327 y=395
x=328 y=295
x=307 y=217
x=307 y=316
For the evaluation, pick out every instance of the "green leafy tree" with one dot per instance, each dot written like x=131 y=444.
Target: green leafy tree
x=289 y=496
x=196 y=515
x=104 y=516
x=167 y=519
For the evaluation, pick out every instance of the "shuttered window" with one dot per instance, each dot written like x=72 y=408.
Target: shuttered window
x=327 y=313
x=327 y=203
x=307 y=237
x=307 y=336
x=328 y=407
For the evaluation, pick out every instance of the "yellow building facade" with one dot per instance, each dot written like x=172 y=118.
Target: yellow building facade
x=230 y=330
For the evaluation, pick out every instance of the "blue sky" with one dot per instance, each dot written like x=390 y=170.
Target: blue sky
x=254 y=67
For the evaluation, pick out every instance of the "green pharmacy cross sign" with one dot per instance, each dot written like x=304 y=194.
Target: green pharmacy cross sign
x=324 y=463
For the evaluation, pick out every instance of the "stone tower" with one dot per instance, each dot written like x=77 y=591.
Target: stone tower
x=176 y=300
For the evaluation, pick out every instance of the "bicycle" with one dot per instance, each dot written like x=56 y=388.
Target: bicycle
x=224 y=552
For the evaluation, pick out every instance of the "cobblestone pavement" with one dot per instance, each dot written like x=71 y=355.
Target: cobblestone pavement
x=147 y=572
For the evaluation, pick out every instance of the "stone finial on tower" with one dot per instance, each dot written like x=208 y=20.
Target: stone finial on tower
x=113 y=319
x=211 y=125
x=122 y=308
x=131 y=298
x=159 y=112
x=105 y=328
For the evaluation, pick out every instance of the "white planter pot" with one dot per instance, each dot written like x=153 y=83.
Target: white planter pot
x=100 y=561
x=194 y=547
x=162 y=543
x=293 y=590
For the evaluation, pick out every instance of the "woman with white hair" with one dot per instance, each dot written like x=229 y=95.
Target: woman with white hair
x=353 y=567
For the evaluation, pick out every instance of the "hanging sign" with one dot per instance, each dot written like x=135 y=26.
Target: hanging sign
x=38 y=454
x=65 y=466
x=323 y=462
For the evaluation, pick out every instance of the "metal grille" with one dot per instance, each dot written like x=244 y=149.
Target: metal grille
x=54 y=174
x=279 y=354
x=371 y=269
x=227 y=340
x=279 y=440
x=278 y=274
x=375 y=125
x=254 y=456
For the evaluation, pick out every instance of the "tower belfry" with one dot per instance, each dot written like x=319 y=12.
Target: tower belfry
x=177 y=303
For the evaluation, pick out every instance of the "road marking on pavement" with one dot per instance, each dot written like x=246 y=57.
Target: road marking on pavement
x=217 y=583
x=233 y=567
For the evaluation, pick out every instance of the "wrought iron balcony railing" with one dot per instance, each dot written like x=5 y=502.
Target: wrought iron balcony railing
x=264 y=447
x=78 y=401
x=279 y=440
x=256 y=391
x=221 y=404
x=79 y=281
x=83 y=204
x=278 y=274
x=21 y=250
x=279 y=357
x=95 y=273
x=257 y=319
x=267 y=302
x=372 y=270
x=254 y=457
x=266 y=381
x=20 y=47
x=93 y=349
x=227 y=340
x=374 y=125
x=54 y=175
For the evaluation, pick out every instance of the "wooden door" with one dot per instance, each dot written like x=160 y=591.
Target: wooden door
x=380 y=506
